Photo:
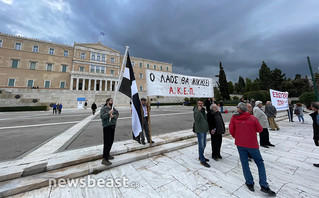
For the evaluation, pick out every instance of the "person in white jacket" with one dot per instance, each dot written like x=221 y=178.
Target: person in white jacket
x=262 y=118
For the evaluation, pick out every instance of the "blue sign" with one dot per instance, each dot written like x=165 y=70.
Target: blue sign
x=80 y=99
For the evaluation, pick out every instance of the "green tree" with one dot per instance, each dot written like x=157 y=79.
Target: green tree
x=264 y=76
x=230 y=87
x=223 y=86
x=240 y=88
x=217 y=95
x=248 y=84
x=277 y=77
x=307 y=97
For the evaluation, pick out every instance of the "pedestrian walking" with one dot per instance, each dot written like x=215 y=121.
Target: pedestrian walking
x=54 y=108
x=216 y=128
x=145 y=125
x=244 y=128
x=157 y=104
x=201 y=128
x=290 y=111
x=315 y=118
x=93 y=107
x=85 y=105
x=299 y=112
x=221 y=104
x=263 y=121
x=59 y=108
x=109 y=118
x=271 y=113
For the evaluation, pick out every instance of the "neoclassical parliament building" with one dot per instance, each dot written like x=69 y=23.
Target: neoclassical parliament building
x=58 y=73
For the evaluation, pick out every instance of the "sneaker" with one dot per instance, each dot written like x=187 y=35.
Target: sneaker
x=205 y=164
x=250 y=187
x=268 y=191
x=106 y=162
x=207 y=160
x=316 y=165
x=110 y=157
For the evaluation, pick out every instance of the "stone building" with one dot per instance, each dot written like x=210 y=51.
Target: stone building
x=52 y=72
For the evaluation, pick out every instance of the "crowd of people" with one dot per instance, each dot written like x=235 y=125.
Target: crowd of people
x=57 y=108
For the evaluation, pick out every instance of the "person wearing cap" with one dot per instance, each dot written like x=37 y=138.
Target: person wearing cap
x=244 y=128
x=262 y=118
x=315 y=124
x=145 y=126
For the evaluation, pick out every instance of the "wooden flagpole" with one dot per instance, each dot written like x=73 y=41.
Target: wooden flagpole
x=149 y=119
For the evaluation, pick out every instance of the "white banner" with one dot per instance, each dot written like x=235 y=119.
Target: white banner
x=169 y=84
x=279 y=99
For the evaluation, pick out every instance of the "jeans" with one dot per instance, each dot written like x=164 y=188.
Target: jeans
x=201 y=137
x=300 y=117
x=221 y=109
x=243 y=154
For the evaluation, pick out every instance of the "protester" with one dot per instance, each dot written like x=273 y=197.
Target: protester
x=109 y=118
x=208 y=103
x=216 y=127
x=271 y=113
x=299 y=112
x=290 y=112
x=145 y=126
x=60 y=108
x=201 y=128
x=221 y=104
x=315 y=124
x=244 y=128
x=54 y=108
x=93 y=107
x=262 y=118
x=250 y=109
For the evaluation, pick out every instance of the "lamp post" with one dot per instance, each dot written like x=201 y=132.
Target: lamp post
x=313 y=79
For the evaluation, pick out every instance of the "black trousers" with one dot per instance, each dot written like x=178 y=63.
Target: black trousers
x=216 y=141
x=108 y=137
x=264 y=137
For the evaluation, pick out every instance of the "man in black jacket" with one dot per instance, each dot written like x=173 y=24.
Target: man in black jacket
x=93 y=107
x=314 y=115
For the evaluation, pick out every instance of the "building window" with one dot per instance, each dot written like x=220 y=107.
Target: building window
x=97 y=69
x=148 y=66
x=141 y=88
x=81 y=69
x=98 y=57
x=92 y=69
x=51 y=51
x=64 y=67
x=154 y=66
x=82 y=55
x=14 y=63
x=93 y=56
x=11 y=82
x=103 y=70
x=1 y=43
x=112 y=72
x=133 y=64
x=112 y=60
x=47 y=84
x=32 y=65
x=103 y=57
x=30 y=83
x=62 y=84
x=18 y=46
x=161 y=67
x=166 y=68
x=141 y=65
x=66 y=53
x=49 y=67
x=35 y=49
x=141 y=76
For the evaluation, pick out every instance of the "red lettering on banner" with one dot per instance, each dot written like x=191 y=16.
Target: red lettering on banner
x=185 y=91
x=179 y=90
x=191 y=92
x=280 y=95
x=280 y=102
x=171 y=91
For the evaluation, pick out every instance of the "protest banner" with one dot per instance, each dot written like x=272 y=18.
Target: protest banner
x=279 y=99
x=177 y=85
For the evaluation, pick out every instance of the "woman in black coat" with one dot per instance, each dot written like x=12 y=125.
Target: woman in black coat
x=315 y=108
x=217 y=129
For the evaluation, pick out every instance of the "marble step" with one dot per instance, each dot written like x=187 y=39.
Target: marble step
x=27 y=183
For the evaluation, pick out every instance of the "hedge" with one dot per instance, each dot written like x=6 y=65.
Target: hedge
x=24 y=108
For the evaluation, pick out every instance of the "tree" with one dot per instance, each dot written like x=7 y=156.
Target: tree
x=230 y=87
x=240 y=88
x=307 y=97
x=223 y=86
x=248 y=83
x=264 y=76
x=277 y=78
x=217 y=95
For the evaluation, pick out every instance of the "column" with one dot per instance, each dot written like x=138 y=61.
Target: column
x=83 y=84
x=105 y=88
x=71 y=86
x=77 y=84
x=94 y=85
x=111 y=85
x=100 y=88
x=116 y=84
x=89 y=88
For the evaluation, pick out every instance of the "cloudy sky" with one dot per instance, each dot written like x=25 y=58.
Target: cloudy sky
x=193 y=35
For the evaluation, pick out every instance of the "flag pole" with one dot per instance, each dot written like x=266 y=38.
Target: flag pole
x=120 y=75
x=149 y=119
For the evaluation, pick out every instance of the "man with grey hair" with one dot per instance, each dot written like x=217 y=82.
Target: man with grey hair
x=244 y=128
x=271 y=113
x=262 y=118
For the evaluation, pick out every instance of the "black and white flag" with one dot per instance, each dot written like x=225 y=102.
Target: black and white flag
x=129 y=88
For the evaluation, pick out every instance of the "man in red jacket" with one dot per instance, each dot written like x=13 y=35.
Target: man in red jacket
x=244 y=128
